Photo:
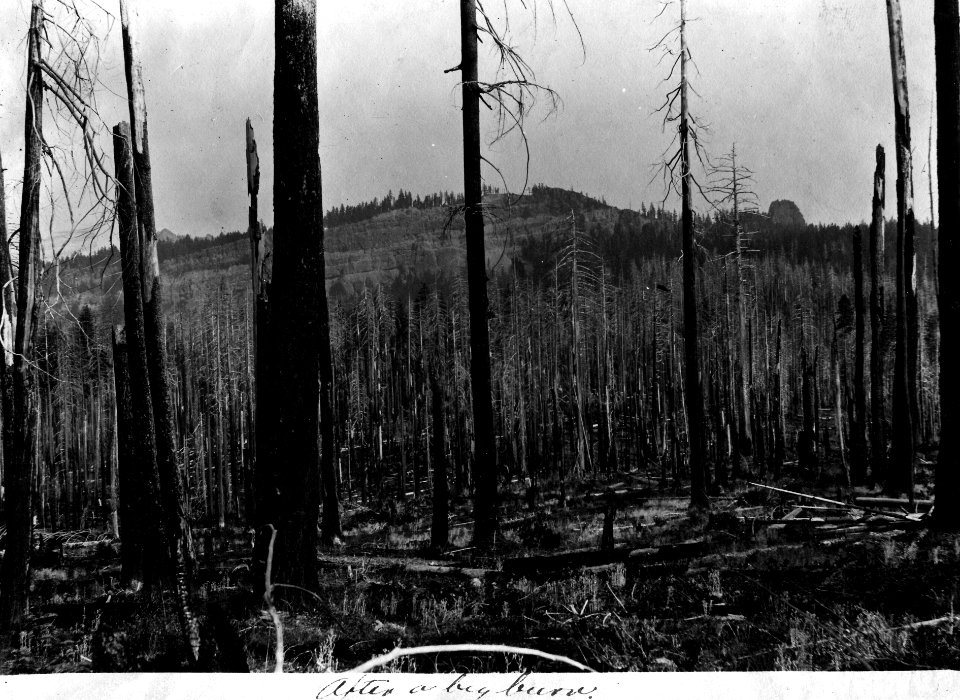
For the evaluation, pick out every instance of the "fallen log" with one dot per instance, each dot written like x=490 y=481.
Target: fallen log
x=831 y=501
x=88 y=544
x=781 y=557
x=892 y=502
x=673 y=552
x=929 y=623
x=623 y=494
x=729 y=617
x=76 y=572
x=831 y=531
x=578 y=559
x=800 y=522
x=581 y=559
x=436 y=568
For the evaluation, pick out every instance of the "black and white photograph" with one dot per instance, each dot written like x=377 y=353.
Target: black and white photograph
x=468 y=348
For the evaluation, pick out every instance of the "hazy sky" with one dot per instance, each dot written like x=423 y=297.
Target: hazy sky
x=802 y=86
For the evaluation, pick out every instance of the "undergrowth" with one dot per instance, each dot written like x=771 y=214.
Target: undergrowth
x=799 y=606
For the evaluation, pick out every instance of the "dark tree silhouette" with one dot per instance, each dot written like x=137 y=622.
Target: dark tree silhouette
x=676 y=168
x=858 y=425
x=300 y=360
x=177 y=536
x=946 y=19
x=142 y=477
x=512 y=93
x=175 y=522
x=131 y=524
x=439 y=528
x=485 y=468
x=878 y=417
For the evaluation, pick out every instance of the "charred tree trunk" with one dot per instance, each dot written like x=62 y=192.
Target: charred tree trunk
x=858 y=424
x=777 y=419
x=331 y=529
x=439 y=529
x=745 y=432
x=128 y=462
x=15 y=569
x=838 y=405
x=693 y=390
x=177 y=535
x=878 y=418
x=259 y=401
x=609 y=515
x=905 y=409
x=946 y=19
x=142 y=487
x=299 y=331
x=7 y=306
x=177 y=528
x=807 y=447
x=485 y=507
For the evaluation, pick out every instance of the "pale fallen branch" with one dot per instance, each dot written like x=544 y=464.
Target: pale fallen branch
x=732 y=617
x=928 y=623
x=435 y=568
x=268 y=599
x=454 y=648
x=892 y=502
x=831 y=501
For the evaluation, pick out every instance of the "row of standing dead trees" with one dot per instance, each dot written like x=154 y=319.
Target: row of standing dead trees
x=588 y=373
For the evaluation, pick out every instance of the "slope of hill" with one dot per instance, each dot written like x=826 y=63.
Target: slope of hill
x=400 y=244
x=407 y=245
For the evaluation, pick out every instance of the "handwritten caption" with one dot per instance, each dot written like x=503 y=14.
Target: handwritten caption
x=462 y=687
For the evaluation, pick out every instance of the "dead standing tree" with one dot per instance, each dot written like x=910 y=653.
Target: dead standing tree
x=62 y=59
x=878 y=418
x=259 y=308
x=7 y=304
x=128 y=454
x=905 y=410
x=512 y=91
x=15 y=571
x=140 y=475
x=171 y=483
x=946 y=21
x=288 y=482
x=176 y=536
x=858 y=424
x=677 y=173
x=731 y=186
x=438 y=376
x=581 y=267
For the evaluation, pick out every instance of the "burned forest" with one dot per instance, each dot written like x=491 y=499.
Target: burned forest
x=486 y=421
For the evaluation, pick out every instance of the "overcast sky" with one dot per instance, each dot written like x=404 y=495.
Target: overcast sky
x=802 y=86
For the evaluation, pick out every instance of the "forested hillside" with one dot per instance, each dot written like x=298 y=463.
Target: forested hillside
x=597 y=286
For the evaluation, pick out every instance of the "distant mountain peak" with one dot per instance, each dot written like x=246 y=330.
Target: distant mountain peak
x=166 y=236
x=785 y=212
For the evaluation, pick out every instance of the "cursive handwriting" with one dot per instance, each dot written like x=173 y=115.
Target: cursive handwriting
x=462 y=686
